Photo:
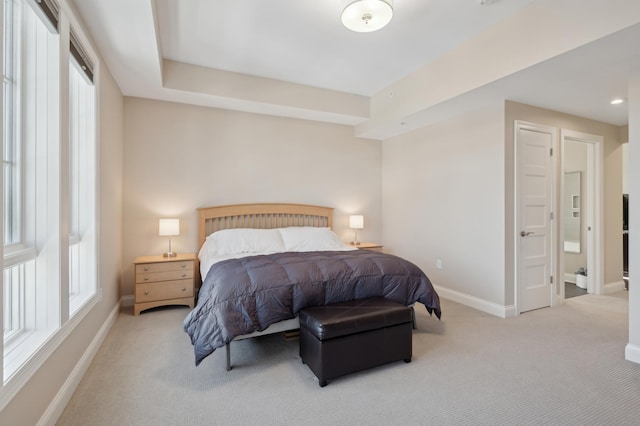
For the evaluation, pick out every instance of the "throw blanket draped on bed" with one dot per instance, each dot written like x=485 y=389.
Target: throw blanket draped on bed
x=240 y=296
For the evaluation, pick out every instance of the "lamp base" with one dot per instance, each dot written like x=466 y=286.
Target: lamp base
x=169 y=254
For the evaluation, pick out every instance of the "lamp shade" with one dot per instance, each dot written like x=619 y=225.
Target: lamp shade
x=169 y=227
x=367 y=15
x=356 y=221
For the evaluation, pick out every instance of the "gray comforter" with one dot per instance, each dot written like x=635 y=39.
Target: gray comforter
x=240 y=296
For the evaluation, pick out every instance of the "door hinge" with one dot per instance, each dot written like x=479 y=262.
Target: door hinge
x=550 y=215
x=550 y=152
x=551 y=279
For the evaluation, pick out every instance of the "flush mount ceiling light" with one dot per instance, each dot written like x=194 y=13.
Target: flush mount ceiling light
x=617 y=101
x=364 y=16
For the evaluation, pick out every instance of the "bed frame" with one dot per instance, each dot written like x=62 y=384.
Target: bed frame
x=261 y=216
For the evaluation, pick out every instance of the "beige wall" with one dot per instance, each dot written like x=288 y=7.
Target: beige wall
x=443 y=198
x=180 y=157
x=625 y=168
x=632 y=351
x=612 y=186
x=448 y=195
x=28 y=406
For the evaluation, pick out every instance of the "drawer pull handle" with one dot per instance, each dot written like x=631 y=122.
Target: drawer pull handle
x=184 y=289
x=184 y=275
x=146 y=278
x=146 y=292
x=184 y=265
x=146 y=268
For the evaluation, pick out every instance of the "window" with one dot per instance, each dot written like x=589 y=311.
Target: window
x=48 y=277
x=30 y=190
x=82 y=242
x=10 y=148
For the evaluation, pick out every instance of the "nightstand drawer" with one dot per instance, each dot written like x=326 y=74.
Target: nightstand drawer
x=152 y=277
x=164 y=290
x=162 y=281
x=144 y=268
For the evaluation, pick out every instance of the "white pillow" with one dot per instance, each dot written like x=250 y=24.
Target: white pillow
x=302 y=238
x=243 y=240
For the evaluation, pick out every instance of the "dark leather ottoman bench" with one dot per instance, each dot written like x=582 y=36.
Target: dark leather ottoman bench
x=347 y=337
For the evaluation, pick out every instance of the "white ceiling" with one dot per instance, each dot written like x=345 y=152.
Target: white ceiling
x=304 y=42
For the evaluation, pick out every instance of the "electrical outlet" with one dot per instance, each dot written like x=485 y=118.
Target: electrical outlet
x=439 y=263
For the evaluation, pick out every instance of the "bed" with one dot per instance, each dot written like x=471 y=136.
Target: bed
x=262 y=263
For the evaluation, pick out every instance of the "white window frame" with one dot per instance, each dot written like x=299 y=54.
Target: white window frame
x=12 y=234
x=30 y=259
x=26 y=352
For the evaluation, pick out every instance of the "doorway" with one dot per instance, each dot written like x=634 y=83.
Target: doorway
x=539 y=214
x=580 y=212
x=575 y=217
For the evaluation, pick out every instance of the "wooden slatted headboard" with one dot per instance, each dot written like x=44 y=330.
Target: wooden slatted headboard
x=262 y=216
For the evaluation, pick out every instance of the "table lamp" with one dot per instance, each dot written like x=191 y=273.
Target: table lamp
x=168 y=228
x=356 y=221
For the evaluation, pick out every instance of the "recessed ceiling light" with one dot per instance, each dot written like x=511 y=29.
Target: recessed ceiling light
x=617 y=101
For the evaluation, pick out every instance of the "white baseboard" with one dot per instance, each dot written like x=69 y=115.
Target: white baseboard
x=127 y=301
x=62 y=398
x=613 y=287
x=570 y=278
x=632 y=353
x=477 y=303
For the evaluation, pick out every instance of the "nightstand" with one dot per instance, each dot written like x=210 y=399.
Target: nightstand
x=370 y=246
x=162 y=281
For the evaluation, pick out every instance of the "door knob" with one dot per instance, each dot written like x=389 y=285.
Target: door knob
x=525 y=234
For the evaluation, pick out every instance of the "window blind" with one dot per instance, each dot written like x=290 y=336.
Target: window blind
x=80 y=56
x=51 y=11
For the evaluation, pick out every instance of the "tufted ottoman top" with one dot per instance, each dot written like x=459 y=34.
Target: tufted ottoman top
x=356 y=316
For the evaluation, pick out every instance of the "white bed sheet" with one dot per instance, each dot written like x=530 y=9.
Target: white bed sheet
x=222 y=245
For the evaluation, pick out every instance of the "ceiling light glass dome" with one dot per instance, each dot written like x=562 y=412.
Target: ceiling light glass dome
x=367 y=15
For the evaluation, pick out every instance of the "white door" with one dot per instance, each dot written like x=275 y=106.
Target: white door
x=534 y=189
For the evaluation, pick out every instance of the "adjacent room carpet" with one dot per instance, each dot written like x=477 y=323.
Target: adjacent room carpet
x=555 y=366
x=572 y=290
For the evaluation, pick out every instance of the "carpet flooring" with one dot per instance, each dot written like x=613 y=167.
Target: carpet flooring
x=556 y=366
